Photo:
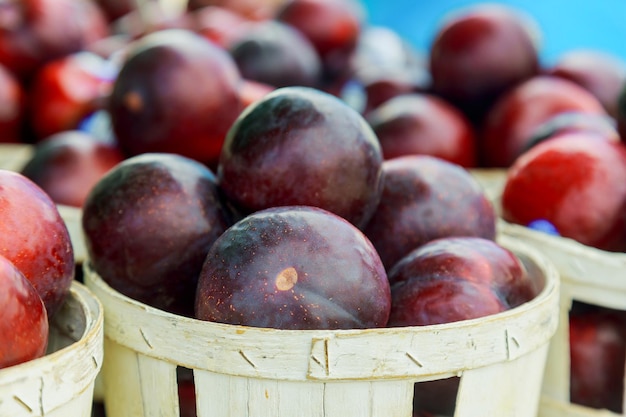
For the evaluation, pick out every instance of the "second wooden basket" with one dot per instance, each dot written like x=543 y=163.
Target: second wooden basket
x=588 y=275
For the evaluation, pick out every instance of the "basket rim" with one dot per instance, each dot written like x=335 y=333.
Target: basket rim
x=585 y=265
x=235 y=340
x=40 y=377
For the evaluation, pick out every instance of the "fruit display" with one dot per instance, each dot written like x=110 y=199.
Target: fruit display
x=287 y=169
x=337 y=372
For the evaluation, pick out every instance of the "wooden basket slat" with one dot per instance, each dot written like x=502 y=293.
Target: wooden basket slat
x=522 y=374
x=158 y=386
x=121 y=383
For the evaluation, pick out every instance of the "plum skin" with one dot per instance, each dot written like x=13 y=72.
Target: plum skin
x=176 y=92
x=148 y=225
x=294 y=267
x=301 y=146
x=35 y=238
x=66 y=165
x=425 y=198
x=576 y=181
x=24 y=321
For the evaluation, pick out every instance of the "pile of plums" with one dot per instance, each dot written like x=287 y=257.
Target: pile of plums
x=285 y=164
x=303 y=225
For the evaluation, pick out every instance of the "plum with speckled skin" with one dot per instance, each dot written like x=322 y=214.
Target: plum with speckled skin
x=296 y=267
x=301 y=146
x=425 y=198
x=148 y=225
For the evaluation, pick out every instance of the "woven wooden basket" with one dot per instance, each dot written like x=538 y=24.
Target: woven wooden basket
x=254 y=372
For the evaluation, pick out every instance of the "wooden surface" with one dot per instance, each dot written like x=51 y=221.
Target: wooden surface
x=243 y=371
x=61 y=383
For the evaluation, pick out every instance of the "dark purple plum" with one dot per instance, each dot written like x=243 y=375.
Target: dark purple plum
x=275 y=53
x=296 y=267
x=425 y=198
x=176 y=92
x=67 y=164
x=148 y=225
x=480 y=261
x=301 y=146
x=333 y=27
x=453 y=279
x=424 y=124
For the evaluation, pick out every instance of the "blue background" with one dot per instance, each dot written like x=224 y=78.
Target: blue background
x=564 y=25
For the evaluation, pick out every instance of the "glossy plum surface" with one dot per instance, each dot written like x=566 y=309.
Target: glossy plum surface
x=23 y=318
x=178 y=93
x=474 y=259
x=148 y=225
x=301 y=146
x=425 y=198
x=426 y=125
x=577 y=182
x=481 y=52
x=296 y=267
x=67 y=165
x=35 y=238
x=510 y=122
x=453 y=279
x=277 y=54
